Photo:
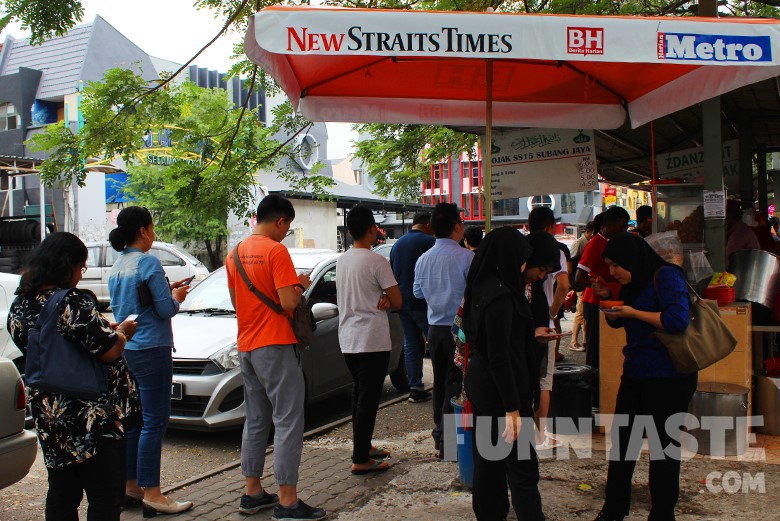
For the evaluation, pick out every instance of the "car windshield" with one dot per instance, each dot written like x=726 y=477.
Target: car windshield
x=211 y=294
x=190 y=257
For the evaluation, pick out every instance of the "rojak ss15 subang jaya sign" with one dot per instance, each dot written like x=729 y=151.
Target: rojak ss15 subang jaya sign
x=543 y=161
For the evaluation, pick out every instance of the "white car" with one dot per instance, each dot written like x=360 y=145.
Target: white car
x=177 y=262
x=8 y=284
x=208 y=390
x=18 y=446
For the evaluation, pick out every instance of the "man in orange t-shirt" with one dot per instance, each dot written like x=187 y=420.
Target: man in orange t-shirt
x=273 y=380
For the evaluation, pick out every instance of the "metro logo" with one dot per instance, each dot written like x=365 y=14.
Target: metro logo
x=306 y=41
x=585 y=40
x=714 y=48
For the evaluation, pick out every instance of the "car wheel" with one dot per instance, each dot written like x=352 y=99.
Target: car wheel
x=398 y=377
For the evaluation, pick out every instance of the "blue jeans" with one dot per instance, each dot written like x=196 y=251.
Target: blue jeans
x=415 y=326
x=153 y=371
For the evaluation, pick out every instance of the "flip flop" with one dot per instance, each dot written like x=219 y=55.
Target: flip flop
x=376 y=466
x=377 y=453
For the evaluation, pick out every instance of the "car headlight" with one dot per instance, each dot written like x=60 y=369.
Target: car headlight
x=226 y=358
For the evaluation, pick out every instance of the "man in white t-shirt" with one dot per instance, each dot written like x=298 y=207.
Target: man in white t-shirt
x=556 y=286
x=365 y=289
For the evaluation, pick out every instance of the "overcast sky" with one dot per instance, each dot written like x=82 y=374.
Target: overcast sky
x=174 y=30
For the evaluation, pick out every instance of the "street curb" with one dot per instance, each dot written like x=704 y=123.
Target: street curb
x=306 y=435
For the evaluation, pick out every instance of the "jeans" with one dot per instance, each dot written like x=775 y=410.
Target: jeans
x=415 y=325
x=153 y=371
x=274 y=392
x=447 y=378
x=102 y=477
x=659 y=398
x=368 y=377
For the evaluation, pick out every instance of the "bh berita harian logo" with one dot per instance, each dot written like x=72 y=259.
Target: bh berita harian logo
x=714 y=47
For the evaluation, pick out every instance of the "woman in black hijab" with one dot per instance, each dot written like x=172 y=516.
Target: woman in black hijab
x=503 y=375
x=656 y=297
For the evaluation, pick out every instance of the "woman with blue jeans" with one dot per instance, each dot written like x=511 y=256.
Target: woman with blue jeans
x=138 y=286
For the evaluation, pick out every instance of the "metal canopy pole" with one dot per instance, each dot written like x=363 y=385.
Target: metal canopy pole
x=487 y=161
x=714 y=229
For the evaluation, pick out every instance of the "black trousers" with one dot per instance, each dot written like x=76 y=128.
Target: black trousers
x=490 y=499
x=659 y=398
x=591 y=313
x=447 y=378
x=102 y=477
x=368 y=376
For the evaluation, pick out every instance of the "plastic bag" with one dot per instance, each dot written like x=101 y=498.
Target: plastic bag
x=697 y=267
x=668 y=246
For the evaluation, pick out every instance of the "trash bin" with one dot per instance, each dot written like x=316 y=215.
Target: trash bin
x=465 y=454
x=572 y=395
x=730 y=401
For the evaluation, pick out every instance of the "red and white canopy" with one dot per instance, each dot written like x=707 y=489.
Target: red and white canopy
x=371 y=65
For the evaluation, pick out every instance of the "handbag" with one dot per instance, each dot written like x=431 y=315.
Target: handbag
x=56 y=365
x=302 y=320
x=706 y=340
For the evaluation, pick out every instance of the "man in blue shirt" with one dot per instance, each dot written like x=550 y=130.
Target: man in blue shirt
x=440 y=279
x=414 y=311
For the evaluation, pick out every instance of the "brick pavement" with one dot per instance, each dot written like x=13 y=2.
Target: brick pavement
x=325 y=481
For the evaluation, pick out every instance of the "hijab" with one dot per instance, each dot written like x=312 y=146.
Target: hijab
x=634 y=254
x=546 y=252
x=495 y=270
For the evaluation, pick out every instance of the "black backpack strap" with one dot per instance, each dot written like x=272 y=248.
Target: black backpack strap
x=259 y=294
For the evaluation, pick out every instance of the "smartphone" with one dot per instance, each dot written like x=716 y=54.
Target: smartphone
x=131 y=317
x=552 y=336
x=188 y=281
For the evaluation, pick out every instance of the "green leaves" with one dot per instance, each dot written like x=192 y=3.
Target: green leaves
x=44 y=18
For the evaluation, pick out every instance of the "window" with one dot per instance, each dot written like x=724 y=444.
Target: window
x=325 y=288
x=467 y=205
x=475 y=204
x=9 y=119
x=506 y=207
x=588 y=198
x=93 y=256
x=437 y=168
x=541 y=200
x=111 y=256
x=568 y=203
x=166 y=258
x=358 y=176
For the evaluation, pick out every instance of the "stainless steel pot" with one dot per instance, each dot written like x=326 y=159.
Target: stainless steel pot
x=758 y=276
x=727 y=403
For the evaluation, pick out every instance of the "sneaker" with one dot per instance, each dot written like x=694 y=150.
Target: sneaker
x=419 y=396
x=253 y=504
x=300 y=511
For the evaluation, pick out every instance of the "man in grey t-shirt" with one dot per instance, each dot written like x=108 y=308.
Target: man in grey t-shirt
x=365 y=289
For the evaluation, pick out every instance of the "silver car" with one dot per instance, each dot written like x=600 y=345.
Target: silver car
x=208 y=390
x=18 y=446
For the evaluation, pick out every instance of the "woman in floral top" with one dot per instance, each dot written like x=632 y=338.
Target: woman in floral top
x=83 y=441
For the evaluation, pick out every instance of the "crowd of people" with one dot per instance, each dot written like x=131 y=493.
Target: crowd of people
x=505 y=292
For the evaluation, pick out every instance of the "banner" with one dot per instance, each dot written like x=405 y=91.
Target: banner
x=688 y=165
x=542 y=161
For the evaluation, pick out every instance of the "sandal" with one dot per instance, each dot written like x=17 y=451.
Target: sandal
x=376 y=466
x=377 y=453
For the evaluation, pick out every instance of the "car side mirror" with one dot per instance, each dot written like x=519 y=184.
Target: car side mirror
x=324 y=310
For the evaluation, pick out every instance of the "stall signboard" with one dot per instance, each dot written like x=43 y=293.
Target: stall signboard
x=688 y=165
x=543 y=161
